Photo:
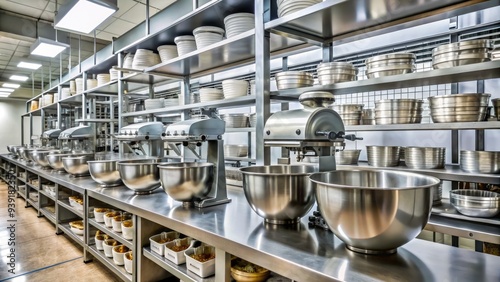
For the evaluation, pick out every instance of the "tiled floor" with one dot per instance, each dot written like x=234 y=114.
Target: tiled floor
x=41 y=255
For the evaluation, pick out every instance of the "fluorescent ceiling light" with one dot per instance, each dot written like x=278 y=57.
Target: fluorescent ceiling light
x=19 y=77
x=31 y=66
x=84 y=15
x=4 y=94
x=11 y=85
x=47 y=48
x=8 y=90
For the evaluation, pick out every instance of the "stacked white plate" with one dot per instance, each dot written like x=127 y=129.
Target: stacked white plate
x=185 y=44
x=167 y=52
x=128 y=61
x=151 y=104
x=113 y=74
x=286 y=7
x=234 y=88
x=65 y=93
x=171 y=102
x=238 y=23
x=79 y=85
x=210 y=94
x=207 y=35
x=145 y=58
x=91 y=83
x=194 y=98
x=72 y=87
x=103 y=78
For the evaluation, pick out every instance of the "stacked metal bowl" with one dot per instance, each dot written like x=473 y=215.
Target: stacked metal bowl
x=335 y=72
x=383 y=156
x=476 y=203
x=368 y=117
x=461 y=53
x=350 y=113
x=390 y=64
x=293 y=79
x=459 y=107
x=237 y=151
x=424 y=157
x=347 y=157
x=235 y=120
x=496 y=107
x=480 y=161
x=398 y=111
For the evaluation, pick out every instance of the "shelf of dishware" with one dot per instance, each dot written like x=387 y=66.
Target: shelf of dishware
x=109 y=231
x=464 y=228
x=450 y=172
x=179 y=271
x=472 y=72
x=226 y=103
x=67 y=230
x=73 y=99
x=98 y=120
x=50 y=216
x=65 y=204
x=426 y=126
x=446 y=209
x=110 y=88
x=118 y=270
x=32 y=186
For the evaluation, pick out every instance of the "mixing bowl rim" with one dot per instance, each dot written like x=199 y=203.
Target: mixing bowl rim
x=102 y=161
x=172 y=166
x=135 y=162
x=243 y=170
x=455 y=194
x=431 y=178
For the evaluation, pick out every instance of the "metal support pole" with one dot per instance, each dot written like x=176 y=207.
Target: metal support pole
x=262 y=83
x=120 y=99
x=147 y=23
x=59 y=108
x=327 y=52
x=185 y=93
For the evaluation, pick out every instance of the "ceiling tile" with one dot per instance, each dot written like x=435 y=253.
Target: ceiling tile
x=136 y=14
x=106 y=35
x=38 y=4
x=20 y=8
x=48 y=16
x=124 y=6
x=106 y=23
x=160 y=4
x=119 y=27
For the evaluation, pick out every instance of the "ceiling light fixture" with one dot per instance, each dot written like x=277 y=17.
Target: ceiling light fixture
x=47 y=47
x=31 y=66
x=84 y=15
x=8 y=90
x=4 y=94
x=11 y=85
x=19 y=77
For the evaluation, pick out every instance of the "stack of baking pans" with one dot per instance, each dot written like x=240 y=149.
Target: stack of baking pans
x=398 y=111
x=424 y=157
x=461 y=53
x=293 y=79
x=335 y=72
x=469 y=107
x=390 y=64
x=350 y=113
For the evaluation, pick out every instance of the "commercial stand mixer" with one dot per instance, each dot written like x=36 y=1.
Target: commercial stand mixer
x=315 y=130
x=189 y=188
x=144 y=137
x=50 y=138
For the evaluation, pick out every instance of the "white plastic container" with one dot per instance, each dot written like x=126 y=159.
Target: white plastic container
x=177 y=257
x=99 y=242
x=128 y=262
x=108 y=247
x=159 y=248
x=202 y=269
x=119 y=257
x=207 y=35
x=185 y=44
x=99 y=214
x=127 y=232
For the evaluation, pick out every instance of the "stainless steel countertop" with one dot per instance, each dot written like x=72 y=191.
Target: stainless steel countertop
x=299 y=253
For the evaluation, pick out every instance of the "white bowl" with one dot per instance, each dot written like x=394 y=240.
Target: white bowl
x=117 y=225
x=108 y=220
x=99 y=216
x=108 y=247
x=99 y=242
x=128 y=262
x=118 y=257
x=127 y=232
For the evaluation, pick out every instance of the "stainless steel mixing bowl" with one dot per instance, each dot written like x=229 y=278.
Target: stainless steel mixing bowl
x=25 y=153
x=105 y=172
x=141 y=176
x=383 y=156
x=347 y=157
x=480 y=161
x=185 y=182
x=374 y=211
x=281 y=194
x=40 y=156
x=424 y=157
x=77 y=165
x=475 y=203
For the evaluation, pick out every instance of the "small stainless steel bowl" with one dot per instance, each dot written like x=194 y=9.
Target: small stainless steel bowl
x=477 y=203
x=347 y=157
x=105 y=172
x=383 y=156
x=142 y=176
x=281 y=194
x=40 y=157
x=77 y=165
x=374 y=211
x=186 y=182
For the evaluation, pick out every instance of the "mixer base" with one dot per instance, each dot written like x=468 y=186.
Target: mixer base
x=143 y=192
x=279 y=221
x=109 y=185
x=371 y=252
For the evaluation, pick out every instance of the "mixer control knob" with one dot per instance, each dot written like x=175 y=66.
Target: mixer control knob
x=168 y=133
x=136 y=133
x=175 y=133
x=352 y=137
x=183 y=132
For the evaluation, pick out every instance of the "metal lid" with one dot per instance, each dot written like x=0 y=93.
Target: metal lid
x=315 y=99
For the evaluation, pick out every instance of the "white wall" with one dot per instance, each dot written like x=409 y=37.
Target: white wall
x=10 y=123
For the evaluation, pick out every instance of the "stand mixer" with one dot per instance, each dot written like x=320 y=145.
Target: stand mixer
x=79 y=138
x=144 y=136
x=50 y=138
x=190 y=188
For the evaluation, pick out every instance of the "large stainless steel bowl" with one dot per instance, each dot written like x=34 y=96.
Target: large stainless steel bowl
x=281 y=194
x=142 y=176
x=374 y=211
x=14 y=150
x=480 y=161
x=424 y=157
x=475 y=203
x=77 y=165
x=186 y=182
x=25 y=153
x=40 y=157
x=55 y=160
x=105 y=172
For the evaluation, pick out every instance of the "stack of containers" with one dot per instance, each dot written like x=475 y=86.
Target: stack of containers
x=293 y=79
x=468 y=107
x=103 y=78
x=424 y=157
x=398 y=111
x=233 y=88
x=78 y=85
x=461 y=53
x=368 y=117
x=210 y=94
x=286 y=7
x=335 y=72
x=350 y=113
x=185 y=44
x=207 y=35
x=145 y=58
x=167 y=52
x=480 y=161
x=65 y=93
x=128 y=61
x=390 y=64
x=383 y=156
x=113 y=74
x=91 y=83
x=238 y=23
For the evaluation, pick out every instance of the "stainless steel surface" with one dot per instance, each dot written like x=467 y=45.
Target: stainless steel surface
x=105 y=172
x=51 y=134
x=347 y=157
x=76 y=165
x=336 y=72
x=281 y=194
x=316 y=99
x=186 y=182
x=238 y=151
x=476 y=203
x=459 y=107
x=425 y=126
x=383 y=156
x=79 y=132
x=424 y=157
x=447 y=210
x=141 y=131
x=374 y=211
x=319 y=255
x=480 y=161
x=195 y=130
x=496 y=107
x=141 y=176
x=235 y=120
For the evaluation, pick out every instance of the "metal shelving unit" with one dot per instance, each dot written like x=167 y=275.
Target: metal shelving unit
x=50 y=216
x=67 y=230
x=446 y=209
x=109 y=263
x=109 y=231
x=427 y=126
x=65 y=204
